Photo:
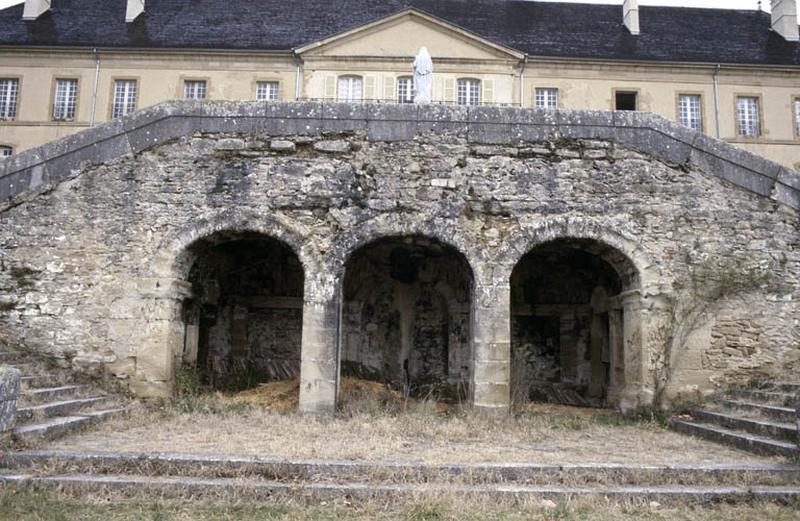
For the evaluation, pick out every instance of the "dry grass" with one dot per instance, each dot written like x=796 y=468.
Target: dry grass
x=27 y=505
x=383 y=427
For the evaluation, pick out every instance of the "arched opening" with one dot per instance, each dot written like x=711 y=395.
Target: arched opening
x=244 y=320
x=567 y=323
x=406 y=317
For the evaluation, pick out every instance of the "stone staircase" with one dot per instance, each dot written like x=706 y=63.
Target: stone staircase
x=51 y=405
x=762 y=419
x=250 y=478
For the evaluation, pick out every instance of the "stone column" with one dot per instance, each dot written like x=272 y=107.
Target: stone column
x=491 y=344
x=634 y=358
x=319 y=358
x=160 y=345
x=616 y=349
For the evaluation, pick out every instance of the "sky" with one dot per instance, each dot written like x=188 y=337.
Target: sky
x=723 y=4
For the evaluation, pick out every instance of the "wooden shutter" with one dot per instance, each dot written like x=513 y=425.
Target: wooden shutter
x=369 y=88
x=330 y=87
x=389 y=93
x=488 y=91
x=449 y=90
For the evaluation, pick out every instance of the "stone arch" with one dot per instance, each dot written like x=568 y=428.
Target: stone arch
x=609 y=317
x=641 y=272
x=172 y=258
x=448 y=234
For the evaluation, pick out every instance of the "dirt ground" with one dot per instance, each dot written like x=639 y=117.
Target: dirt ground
x=380 y=425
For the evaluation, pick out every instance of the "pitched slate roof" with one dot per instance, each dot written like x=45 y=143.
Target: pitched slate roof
x=546 y=29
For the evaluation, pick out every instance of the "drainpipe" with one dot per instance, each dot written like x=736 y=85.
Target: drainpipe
x=298 y=82
x=522 y=82
x=716 y=97
x=96 y=79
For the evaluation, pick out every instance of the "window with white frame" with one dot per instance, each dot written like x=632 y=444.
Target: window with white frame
x=9 y=90
x=405 y=90
x=748 y=116
x=797 y=116
x=5 y=151
x=194 y=89
x=124 y=98
x=469 y=91
x=65 y=99
x=351 y=88
x=690 y=111
x=267 y=90
x=546 y=98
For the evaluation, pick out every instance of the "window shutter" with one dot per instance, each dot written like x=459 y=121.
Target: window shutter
x=369 y=88
x=488 y=91
x=389 y=93
x=330 y=87
x=449 y=90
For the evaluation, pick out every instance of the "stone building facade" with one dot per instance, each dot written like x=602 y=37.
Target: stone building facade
x=483 y=253
x=67 y=65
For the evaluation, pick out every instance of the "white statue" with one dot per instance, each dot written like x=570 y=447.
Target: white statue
x=423 y=76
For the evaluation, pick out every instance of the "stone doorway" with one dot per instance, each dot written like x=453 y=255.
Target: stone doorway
x=406 y=317
x=244 y=320
x=567 y=323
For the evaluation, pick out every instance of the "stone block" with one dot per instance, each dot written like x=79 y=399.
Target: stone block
x=585 y=124
x=280 y=145
x=9 y=394
x=317 y=397
x=491 y=395
x=337 y=146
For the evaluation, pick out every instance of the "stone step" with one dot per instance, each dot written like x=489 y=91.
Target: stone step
x=51 y=409
x=745 y=441
x=52 y=393
x=768 y=429
x=784 y=414
x=267 y=490
x=766 y=397
x=62 y=425
x=220 y=465
x=38 y=381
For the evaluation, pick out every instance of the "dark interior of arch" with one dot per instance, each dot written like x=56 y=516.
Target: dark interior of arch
x=566 y=338
x=244 y=321
x=405 y=318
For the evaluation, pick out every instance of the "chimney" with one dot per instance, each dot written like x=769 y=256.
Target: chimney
x=630 y=15
x=35 y=8
x=784 y=19
x=135 y=8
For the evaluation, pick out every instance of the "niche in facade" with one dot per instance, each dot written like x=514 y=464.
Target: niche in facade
x=566 y=330
x=244 y=322
x=405 y=317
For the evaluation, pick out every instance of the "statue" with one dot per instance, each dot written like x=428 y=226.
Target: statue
x=423 y=76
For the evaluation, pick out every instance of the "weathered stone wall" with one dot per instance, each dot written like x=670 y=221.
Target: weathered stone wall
x=96 y=266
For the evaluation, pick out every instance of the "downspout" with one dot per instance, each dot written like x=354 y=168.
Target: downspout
x=298 y=81
x=96 y=79
x=522 y=82
x=716 y=97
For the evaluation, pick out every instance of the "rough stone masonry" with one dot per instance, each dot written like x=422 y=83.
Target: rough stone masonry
x=484 y=253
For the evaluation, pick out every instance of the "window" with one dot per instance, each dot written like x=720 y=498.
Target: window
x=625 y=100
x=405 y=90
x=267 y=91
x=350 y=88
x=690 y=112
x=748 y=116
x=194 y=89
x=546 y=98
x=124 y=98
x=5 y=151
x=797 y=116
x=9 y=89
x=469 y=92
x=65 y=100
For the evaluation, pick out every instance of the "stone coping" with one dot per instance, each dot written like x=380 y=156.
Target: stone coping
x=44 y=167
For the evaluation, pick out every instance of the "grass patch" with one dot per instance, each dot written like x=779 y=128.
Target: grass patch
x=30 y=505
